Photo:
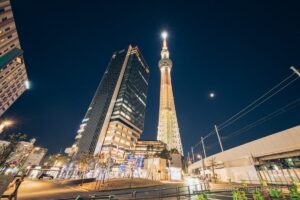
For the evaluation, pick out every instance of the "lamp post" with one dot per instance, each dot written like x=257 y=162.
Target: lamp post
x=5 y=124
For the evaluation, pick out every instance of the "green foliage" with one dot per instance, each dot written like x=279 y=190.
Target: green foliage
x=78 y=198
x=239 y=195
x=275 y=193
x=244 y=184
x=264 y=183
x=202 y=196
x=294 y=191
x=257 y=195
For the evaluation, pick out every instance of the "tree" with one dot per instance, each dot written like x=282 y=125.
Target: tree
x=174 y=151
x=165 y=154
x=213 y=165
x=84 y=162
x=7 y=149
x=56 y=160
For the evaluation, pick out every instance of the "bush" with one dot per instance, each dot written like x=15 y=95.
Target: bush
x=202 y=196
x=239 y=195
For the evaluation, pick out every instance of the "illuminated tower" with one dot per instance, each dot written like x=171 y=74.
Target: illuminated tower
x=168 y=131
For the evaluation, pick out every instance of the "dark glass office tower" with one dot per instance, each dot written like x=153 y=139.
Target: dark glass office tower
x=115 y=118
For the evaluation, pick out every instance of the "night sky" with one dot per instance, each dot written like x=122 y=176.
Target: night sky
x=237 y=49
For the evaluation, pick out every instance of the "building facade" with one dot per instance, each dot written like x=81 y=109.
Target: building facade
x=13 y=76
x=35 y=157
x=24 y=155
x=148 y=148
x=274 y=159
x=168 y=130
x=115 y=118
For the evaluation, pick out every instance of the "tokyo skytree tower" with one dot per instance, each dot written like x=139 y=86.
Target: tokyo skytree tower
x=168 y=131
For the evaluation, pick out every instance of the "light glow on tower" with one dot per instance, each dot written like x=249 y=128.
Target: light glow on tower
x=164 y=35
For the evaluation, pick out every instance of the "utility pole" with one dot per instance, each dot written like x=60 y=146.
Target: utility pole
x=295 y=70
x=217 y=132
x=204 y=152
x=193 y=158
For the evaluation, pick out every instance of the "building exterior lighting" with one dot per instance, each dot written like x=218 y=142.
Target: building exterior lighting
x=27 y=84
x=7 y=122
x=4 y=124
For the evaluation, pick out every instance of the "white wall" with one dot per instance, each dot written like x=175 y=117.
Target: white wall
x=237 y=163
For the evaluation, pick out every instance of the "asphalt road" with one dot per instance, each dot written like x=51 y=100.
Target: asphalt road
x=50 y=190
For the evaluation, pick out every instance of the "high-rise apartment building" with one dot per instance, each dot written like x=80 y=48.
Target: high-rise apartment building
x=13 y=76
x=115 y=118
x=168 y=130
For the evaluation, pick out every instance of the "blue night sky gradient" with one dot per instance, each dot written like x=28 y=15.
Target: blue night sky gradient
x=237 y=49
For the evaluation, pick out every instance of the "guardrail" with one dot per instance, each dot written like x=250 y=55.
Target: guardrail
x=159 y=193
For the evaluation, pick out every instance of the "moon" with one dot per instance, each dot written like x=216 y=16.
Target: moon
x=212 y=95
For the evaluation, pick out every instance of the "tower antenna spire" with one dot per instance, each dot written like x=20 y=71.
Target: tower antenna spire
x=164 y=51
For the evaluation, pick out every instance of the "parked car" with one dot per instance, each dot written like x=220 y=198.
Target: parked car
x=43 y=175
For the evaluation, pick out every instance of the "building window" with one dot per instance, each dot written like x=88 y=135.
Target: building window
x=19 y=60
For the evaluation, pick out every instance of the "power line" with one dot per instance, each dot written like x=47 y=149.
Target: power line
x=260 y=121
x=235 y=117
x=258 y=104
x=240 y=114
x=265 y=118
x=257 y=100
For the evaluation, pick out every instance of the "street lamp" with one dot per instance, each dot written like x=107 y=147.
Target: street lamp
x=4 y=124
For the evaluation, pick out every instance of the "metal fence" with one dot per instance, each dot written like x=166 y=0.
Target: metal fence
x=159 y=193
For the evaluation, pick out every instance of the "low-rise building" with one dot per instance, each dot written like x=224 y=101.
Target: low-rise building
x=148 y=148
x=23 y=155
x=274 y=159
x=36 y=156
